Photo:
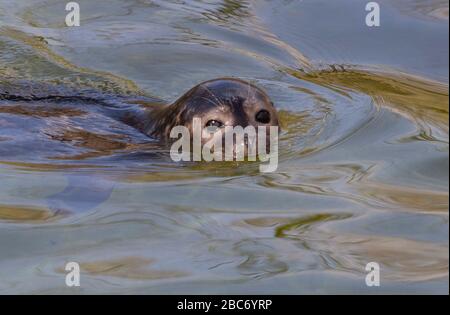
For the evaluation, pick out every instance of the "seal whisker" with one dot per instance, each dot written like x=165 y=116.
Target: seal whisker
x=213 y=95
x=211 y=101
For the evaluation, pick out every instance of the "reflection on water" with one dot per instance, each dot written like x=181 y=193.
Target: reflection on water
x=24 y=214
x=128 y=267
x=437 y=9
x=363 y=172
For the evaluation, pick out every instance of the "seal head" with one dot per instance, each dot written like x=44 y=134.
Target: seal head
x=217 y=103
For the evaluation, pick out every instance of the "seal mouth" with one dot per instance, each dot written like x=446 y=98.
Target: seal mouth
x=251 y=147
x=226 y=143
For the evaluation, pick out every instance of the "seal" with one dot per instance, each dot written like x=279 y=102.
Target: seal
x=217 y=103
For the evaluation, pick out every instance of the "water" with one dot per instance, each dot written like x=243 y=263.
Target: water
x=363 y=172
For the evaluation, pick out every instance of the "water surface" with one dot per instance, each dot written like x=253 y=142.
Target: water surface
x=363 y=172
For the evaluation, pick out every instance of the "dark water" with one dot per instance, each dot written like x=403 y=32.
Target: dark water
x=363 y=172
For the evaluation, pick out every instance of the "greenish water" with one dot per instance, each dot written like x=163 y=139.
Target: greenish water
x=363 y=172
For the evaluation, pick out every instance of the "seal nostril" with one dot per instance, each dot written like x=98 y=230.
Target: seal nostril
x=263 y=116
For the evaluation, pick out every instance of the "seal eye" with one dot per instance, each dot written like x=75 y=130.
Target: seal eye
x=214 y=123
x=263 y=116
